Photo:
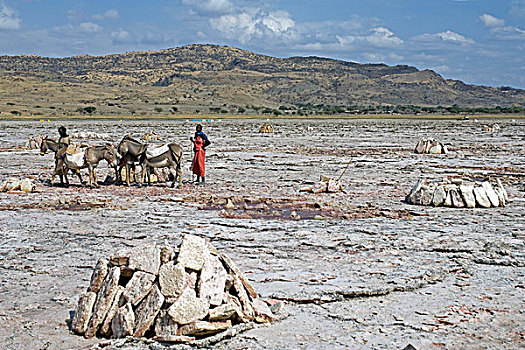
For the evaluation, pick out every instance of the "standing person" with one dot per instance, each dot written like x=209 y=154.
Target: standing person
x=200 y=142
x=63 y=142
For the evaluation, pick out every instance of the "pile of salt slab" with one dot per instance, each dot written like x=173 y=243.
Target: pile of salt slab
x=326 y=184
x=26 y=185
x=430 y=146
x=458 y=194
x=34 y=142
x=267 y=128
x=171 y=295
x=150 y=136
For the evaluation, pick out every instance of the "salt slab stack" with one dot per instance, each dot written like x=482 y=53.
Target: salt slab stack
x=171 y=295
x=26 y=185
x=430 y=146
x=458 y=194
x=267 y=128
x=325 y=184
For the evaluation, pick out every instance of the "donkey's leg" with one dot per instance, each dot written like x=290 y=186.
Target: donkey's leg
x=77 y=173
x=128 y=175
x=178 y=171
x=142 y=174
x=148 y=174
x=95 y=182
x=118 y=174
x=90 y=170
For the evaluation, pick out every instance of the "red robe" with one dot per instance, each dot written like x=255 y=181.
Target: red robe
x=198 y=158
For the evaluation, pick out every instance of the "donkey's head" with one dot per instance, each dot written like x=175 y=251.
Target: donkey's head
x=122 y=147
x=43 y=146
x=110 y=155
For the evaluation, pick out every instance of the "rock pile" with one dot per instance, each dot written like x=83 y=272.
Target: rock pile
x=267 y=128
x=150 y=136
x=493 y=128
x=458 y=194
x=325 y=184
x=168 y=295
x=430 y=146
x=26 y=185
x=34 y=142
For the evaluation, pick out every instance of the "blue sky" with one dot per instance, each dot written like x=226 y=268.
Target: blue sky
x=477 y=41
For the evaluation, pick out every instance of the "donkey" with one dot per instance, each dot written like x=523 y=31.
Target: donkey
x=130 y=151
x=91 y=157
x=171 y=158
x=60 y=169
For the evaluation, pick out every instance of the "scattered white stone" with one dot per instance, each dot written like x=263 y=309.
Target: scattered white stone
x=138 y=287
x=188 y=308
x=172 y=279
x=202 y=328
x=467 y=192
x=84 y=311
x=439 y=196
x=503 y=191
x=105 y=297
x=106 y=326
x=124 y=321
x=146 y=259
x=12 y=185
x=212 y=280
x=27 y=185
x=147 y=311
x=493 y=196
x=193 y=252
x=98 y=276
x=165 y=326
x=263 y=313
x=481 y=196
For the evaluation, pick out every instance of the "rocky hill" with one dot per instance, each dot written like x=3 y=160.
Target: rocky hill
x=210 y=78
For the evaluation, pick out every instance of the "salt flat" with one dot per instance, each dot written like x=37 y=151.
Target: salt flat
x=380 y=274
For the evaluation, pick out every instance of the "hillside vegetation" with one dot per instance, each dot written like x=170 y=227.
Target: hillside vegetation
x=217 y=79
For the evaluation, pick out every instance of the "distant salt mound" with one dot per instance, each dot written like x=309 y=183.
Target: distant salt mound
x=13 y=184
x=267 y=128
x=458 y=194
x=170 y=295
x=430 y=146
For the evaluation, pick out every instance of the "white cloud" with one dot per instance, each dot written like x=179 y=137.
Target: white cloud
x=121 y=37
x=109 y=14
x=89 y=27
x=242 y=26
x=379 y=36
x=497 y=26
x=454 y=37
x=383 y=37
x=448 y=36
x=247 y=25
x=491 y=21
x=210 y=6
x=8 y=18
x=509 y=33
x=278 y=21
